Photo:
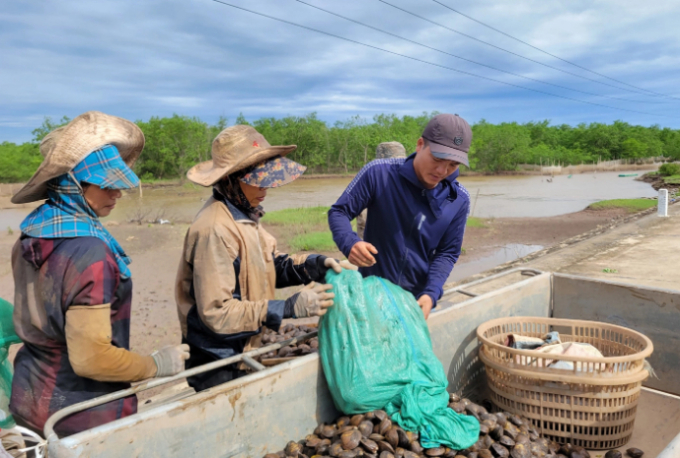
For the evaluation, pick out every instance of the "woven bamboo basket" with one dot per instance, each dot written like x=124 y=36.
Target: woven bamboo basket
x=592 y=405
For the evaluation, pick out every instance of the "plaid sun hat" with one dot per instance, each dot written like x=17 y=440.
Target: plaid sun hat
x=273 y=173
x=105 y=168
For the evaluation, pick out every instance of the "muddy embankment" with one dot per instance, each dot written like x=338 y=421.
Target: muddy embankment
x=657 y=182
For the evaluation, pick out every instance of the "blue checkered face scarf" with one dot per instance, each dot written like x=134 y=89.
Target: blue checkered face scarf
x=66 y=213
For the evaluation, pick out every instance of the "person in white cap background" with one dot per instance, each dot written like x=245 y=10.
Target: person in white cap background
x=230 y=265
x=417 y=212
x=73 y=291
x=385 y=150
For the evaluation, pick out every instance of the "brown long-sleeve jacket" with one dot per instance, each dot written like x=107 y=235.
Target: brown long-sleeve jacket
x=207 y=277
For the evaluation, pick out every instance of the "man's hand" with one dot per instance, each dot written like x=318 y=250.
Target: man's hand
x=362 y=254
x=425 y=303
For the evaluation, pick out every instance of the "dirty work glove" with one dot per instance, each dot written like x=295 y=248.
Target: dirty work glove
x=337 y=267
x=312 y=300
x=317 y=266
x=170 y=360
x=345 y=264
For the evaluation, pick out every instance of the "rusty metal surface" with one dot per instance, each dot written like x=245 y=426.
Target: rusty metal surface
x=242 y=418
x=652 y=311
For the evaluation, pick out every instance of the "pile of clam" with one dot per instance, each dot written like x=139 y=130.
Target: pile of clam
x=373 y=435
x=286 y=332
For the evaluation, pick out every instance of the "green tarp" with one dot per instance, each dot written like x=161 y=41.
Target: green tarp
x=376 y=353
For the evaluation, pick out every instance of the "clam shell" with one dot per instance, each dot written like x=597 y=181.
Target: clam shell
x=516 y=420
x=499 y=451
x=350 y=439
x=342 y=421
x=327 y=431
x=385 y=446
x=335 y=449
x=416 y=447
x=356 y=419
x=366 y=428
x=292 y=449
x=521 y=450
x=392 y=437
x=347 y=454
x=634 y=452
x=380 y=415
x=369 y=445
x=522 y=439
x=497 y=432
x=506 y=442
x=404 y=441
x=384 y=426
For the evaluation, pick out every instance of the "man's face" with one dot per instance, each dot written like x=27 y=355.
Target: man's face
x=430 y=170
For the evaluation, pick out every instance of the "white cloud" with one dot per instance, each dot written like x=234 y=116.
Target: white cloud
x=200 y=58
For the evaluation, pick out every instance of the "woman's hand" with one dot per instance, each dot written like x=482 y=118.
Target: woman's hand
x=338 y=266
x=170 y=360
x=313 y=300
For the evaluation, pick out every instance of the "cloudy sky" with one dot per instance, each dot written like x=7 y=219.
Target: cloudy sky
x=138 y=59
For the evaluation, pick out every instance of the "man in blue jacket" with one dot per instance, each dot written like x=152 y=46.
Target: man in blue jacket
x=416 y=212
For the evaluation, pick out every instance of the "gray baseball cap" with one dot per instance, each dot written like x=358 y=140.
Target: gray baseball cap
x=450 y=137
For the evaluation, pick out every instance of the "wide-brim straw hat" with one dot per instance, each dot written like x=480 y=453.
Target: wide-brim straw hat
x=66 y=146
x=235 y=148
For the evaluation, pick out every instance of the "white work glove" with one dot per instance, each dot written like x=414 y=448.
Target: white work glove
x=338 y=266
x=312 y=300
x=170 y=360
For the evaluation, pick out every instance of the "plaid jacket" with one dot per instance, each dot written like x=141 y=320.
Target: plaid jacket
x=50 y=275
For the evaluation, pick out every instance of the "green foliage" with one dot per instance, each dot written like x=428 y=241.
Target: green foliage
x=610 y=271
x=313 y=241
x=176 y=143
x=48 y=126
x=18 y=162
x=673 y=179
x=669 y=169
x=475 y=222
x=496 y=148
x=303 y=216
x=631 y=205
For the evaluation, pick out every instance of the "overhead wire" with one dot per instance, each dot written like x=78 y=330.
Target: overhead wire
x=551 y=54
x=466 y=59
x=323 y=32
x=508 y=51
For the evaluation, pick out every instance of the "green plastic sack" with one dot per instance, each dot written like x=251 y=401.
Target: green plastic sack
x=8 y=336
x=376 y=353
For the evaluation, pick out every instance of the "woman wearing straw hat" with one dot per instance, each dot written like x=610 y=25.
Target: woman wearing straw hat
x=230 y=265
x=73 y=290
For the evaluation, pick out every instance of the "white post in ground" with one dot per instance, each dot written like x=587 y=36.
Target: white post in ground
x=663 y=202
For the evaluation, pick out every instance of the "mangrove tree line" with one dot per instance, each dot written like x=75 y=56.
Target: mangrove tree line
x=173 y=144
